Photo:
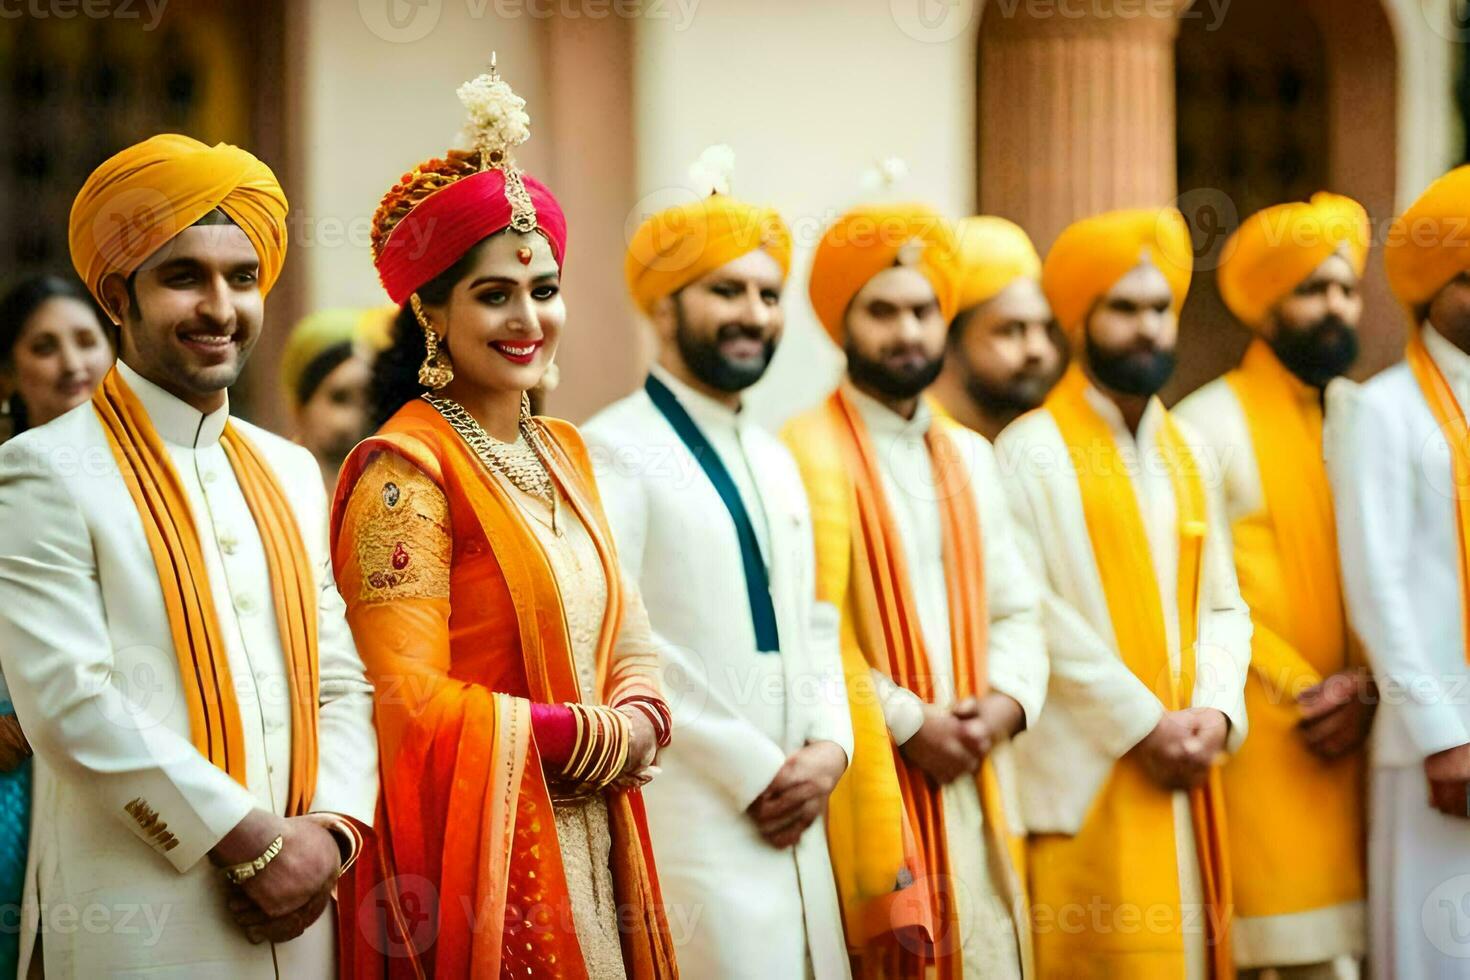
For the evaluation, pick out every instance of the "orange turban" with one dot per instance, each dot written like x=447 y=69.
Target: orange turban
x=871 y=238
x=1094 y=253
x=1276 y=248
x=1429 y=244
x=993 y=254
x=141 y=198
x=677 y=245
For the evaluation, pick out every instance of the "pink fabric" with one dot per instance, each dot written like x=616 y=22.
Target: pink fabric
x=447 y=223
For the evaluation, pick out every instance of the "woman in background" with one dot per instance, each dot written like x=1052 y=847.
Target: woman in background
x=53 y=353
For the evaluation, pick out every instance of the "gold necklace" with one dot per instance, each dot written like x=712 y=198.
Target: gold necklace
x=518 y=462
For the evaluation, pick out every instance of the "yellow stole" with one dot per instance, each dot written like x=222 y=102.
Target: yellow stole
x=881 y=629
x=1451 y=418
x=1120 y=857
x=168 y=525
x=1291 y=860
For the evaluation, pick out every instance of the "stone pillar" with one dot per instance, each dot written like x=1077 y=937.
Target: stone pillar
x=1075 y=109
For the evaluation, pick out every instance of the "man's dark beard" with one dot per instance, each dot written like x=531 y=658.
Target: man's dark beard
x=1140 y=372
x=876 y=376
x=705 y=362
x=1016 y=396
x=1319 y=353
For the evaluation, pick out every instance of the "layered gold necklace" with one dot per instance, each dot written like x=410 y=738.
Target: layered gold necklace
x=520 y=462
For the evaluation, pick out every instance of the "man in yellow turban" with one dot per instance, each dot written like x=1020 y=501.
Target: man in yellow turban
x=1399 y=463
x=940 y=619
x=1148 y=637
x=712 y=523
x=186 y=553
x=1005 y=350
x=1294 y=792
x=326 y=370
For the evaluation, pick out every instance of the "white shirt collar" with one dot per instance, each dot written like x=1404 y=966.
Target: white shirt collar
x=704 y=410
x=884 y=420
x=175 y=420
x=1454 y=362
x=1113 y=415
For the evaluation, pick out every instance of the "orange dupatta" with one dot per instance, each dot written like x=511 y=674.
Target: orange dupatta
x=1120 y=545
x=472 y=882
x=1451 y=418
x=894 y=642
x=204 y=668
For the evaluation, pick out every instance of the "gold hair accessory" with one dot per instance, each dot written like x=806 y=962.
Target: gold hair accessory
x=436 y=371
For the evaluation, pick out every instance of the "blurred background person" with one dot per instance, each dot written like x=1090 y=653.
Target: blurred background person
x=1005 y=352
x=53 y=353
x=325 y=371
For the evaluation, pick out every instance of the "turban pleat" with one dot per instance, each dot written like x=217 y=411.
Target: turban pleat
x=140 y=199
x=993 y=253
x=1090 y=256
x=871 y=238
x=1429 y=244
x=1275 y=249
x=680 y=244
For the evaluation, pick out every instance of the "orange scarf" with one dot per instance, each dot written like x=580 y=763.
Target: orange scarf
x=1120 y=544
x=1451 y=419
x=204 y=667
x=889 y=622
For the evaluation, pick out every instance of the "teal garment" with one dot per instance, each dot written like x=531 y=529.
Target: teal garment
x=15 y=833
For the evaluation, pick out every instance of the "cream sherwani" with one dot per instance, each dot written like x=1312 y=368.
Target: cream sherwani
x=1322 y=935
x=1097 y=709
x=1390 y=470
x=1016 y=660
x=125 y=808
x=736 y=906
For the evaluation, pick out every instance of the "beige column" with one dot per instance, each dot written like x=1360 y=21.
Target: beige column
x=1076 y=109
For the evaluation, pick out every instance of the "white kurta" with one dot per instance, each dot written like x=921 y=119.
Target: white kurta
x=1214 y=412
x=1398 y=541
x=1016 y=660
x=1096 y=709
x=736 y=906
x=87 y=652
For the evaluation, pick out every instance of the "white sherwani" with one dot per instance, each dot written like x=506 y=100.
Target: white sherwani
x=1320 y=935
x=1397 y=537
x=87 y=653
x=1096 y=709
x=736 y=906
x=1015 y=661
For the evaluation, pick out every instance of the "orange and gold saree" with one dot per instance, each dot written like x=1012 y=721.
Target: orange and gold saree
x=465 y=620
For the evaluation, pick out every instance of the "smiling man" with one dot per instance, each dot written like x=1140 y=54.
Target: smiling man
x=711 y=520
x=171 y=634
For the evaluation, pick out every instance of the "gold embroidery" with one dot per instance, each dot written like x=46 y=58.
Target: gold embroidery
x=156 y=829
x=401 y=521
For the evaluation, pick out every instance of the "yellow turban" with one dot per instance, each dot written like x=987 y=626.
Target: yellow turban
x=1276 y=248
x=993 y=254
x=1429 y=244
x=138 y=200
x=680 y=244
x=319 y=332
x=871 y=238
x=1094 y=253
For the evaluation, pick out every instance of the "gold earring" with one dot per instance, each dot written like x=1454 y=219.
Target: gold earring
x=436 y=371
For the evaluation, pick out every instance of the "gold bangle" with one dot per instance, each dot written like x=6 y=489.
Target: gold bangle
x=240 y=873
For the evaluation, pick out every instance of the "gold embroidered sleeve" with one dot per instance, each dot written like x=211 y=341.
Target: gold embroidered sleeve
x=401 y=543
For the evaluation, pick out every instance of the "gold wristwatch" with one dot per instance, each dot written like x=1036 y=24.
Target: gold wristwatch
x=241 y=873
